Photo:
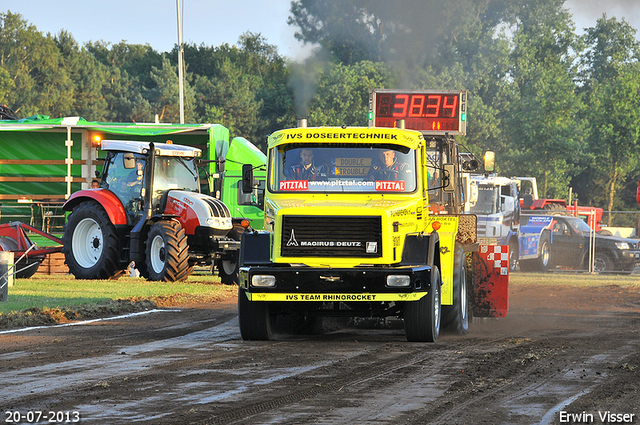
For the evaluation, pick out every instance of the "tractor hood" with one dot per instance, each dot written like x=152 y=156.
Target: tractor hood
x=198 y=210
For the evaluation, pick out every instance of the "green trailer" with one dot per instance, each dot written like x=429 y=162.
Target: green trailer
x=43 y=161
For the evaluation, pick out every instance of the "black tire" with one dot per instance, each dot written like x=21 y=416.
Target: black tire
x=25 y=268
x=228 y=271
x=90 y=243
x=543 y=262
x=513 y=255
x=255 y=318
x=602 y=263
x=554 y=207
x=422 y=317
x=167 y=253
x=455 y=318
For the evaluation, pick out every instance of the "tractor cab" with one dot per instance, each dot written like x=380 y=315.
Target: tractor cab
x=126 y=167
x=148 y=209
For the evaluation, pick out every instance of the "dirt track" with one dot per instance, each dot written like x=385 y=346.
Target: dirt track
x=560 y=352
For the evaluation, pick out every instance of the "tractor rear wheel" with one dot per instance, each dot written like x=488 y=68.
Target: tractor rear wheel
x=90 y=243
x=167 y=254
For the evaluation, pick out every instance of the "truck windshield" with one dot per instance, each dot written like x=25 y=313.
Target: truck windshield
x=352 y=168
x=487 y=200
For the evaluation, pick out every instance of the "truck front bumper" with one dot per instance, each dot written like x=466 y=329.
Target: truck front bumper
x=366 y=284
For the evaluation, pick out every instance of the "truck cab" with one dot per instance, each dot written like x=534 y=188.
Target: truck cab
x=366 y=222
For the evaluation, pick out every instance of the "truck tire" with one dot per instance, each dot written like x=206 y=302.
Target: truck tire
x=455 y=318
x=544 y=254
x=543 y=261
x=167 y=253
x=602 y=263
x=514 y=254
x=422 y=317
x=90 y=243
x=228 y=271
x=255 y=318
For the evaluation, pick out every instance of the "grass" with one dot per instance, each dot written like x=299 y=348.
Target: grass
x=53 y=299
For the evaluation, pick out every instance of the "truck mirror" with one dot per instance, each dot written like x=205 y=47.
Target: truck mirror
x=489 y=161
x=508 y=203
x=473 y=193
x=247 y=178
x=448 y=180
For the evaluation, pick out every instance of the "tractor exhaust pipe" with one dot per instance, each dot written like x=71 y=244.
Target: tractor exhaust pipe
x=302 y=123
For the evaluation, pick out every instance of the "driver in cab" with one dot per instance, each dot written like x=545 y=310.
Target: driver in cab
x=389 y=167
x=306 y=168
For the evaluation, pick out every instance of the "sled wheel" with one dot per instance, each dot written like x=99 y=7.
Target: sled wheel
x=24 y=268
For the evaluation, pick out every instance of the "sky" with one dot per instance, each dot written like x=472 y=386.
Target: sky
x=214 y=22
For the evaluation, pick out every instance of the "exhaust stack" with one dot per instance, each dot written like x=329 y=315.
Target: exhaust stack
x=302 y=123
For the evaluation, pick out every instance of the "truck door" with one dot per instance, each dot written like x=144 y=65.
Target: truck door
x=567 y=247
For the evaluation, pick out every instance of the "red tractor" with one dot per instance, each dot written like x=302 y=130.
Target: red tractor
x=148 y=209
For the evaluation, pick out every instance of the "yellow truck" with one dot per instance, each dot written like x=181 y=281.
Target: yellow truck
x=364 y=222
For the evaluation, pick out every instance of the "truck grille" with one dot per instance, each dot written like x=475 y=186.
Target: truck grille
x=331 y=236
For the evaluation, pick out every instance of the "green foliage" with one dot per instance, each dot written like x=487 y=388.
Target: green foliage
x=551 y=104
x=342 y=96
x=611 y=88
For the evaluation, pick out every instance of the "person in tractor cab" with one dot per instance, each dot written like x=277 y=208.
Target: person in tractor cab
x=136 y=177
x=389 y=167
x=307 y=169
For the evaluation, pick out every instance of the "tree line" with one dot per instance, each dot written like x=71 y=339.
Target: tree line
x=551 y=103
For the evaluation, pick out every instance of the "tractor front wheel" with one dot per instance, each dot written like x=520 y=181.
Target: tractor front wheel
x=167 y=254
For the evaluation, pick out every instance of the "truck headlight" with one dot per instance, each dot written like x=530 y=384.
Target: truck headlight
x=263 y=281
x=398 y=281
x=622 y=245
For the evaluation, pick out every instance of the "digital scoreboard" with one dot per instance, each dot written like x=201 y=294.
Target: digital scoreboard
x=430 y=112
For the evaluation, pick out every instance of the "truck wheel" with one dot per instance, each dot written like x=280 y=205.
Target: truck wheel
x=90 y=243
x=422 y=317
x=513 y=255
x=602 y=263
x=455 y=318
x=256 y=320
x=167 y=256
x=228 y=271
x=544 y=254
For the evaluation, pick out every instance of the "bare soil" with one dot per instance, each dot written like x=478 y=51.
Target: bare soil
x=560 y=351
